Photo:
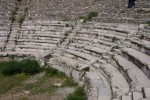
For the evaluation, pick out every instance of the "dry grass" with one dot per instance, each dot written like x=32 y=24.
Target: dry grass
x=38 y=86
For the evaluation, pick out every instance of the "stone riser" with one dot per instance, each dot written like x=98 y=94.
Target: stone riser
x=139 y=64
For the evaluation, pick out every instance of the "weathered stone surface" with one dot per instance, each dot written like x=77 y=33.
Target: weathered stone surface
x=137 y=96
x=98 y=87
x=119 y=87
x=127 y=97
x=82 y=55
x=143 y=58
x=139 y=58
x=147 y=92
x=90 y=45
x=138 y=78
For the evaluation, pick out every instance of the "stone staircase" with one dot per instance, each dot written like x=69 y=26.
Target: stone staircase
x=126 y=79
x=109 y=59
x=15 y=26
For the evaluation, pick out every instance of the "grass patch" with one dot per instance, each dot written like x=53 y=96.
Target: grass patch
x=12 y=18
x=37 y=88
x=25 y=66
x=23 y=98
x=141 y=37
x=48 y=56
x=22 y=18
x=141 y=11
x=18 y=0
x=89 y=16
x=69 y=83
x=49 y=89
x=51 y=72
x=78 y=94
x=148 y=23
x=7 y=83
x=40 y=87
x=66 y=34
x=114 y=39
x=86 y=69
x=11 y=56
x=16 y=80
x=26 y=10
x=67 y=25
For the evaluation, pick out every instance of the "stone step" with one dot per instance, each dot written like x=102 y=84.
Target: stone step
x=137 y=77
x=147 y=93
x=126 y=97
x=87 y=33
x=41 y=35
x=95 y=49
x=146 y=46
x=81 y=55
x=101 y=40
x=37 y=41
x=88 y=49
x=72 y=63
x=120 y=87
x=45 y=47
x=38 y=51
x=119 y=20
x=140 y=45
x=140 y=59
x=137 y=95
x=69 y=68
x=100 y=86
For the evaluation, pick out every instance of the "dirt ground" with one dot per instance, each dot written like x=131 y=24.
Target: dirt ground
x=60 y=94
x=5 y=59
x=50 y=89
